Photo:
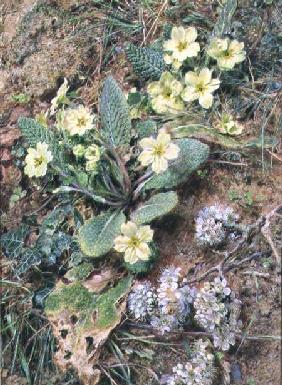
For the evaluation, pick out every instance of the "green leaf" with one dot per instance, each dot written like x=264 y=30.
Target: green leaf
x=199 y=131
x=210 y=135
x=55 y=219
x=96 y=236
x=157 y=206
x=192 y=154
x=80 y=272
x=148 y=63
x=13 y=241
x=223 y=23
x=30 y=257
x=114 y=111
x=34 y=132
x=146 y=128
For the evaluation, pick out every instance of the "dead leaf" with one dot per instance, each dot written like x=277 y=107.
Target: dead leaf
x=82 y=322
x=98 y=282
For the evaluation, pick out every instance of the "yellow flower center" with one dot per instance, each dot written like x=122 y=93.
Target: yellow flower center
x=228 y=54
x=182 y=45
x=38 y=161
x=159 y=150
x=134 y=242
x=167 y=93
x=201 y=87
x=81 y=122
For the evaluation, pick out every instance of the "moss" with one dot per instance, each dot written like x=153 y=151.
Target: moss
x=80 y=272
x=74 y=297
x=106 y=303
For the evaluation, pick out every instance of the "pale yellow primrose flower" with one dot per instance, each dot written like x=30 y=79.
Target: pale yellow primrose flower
x=200 y=85
x=182 y=43
x=228 y=126
x=158 y=151
x=134 y=242
x=37 y=160
x=176 y=64
x=77 y=120
x=93 y=153
x=79 y=150
x=61 y=95
x=226 y=52
x=165 y=94
x=91 y=165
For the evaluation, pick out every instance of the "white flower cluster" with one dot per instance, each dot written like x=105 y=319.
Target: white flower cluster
x=142 y=301
x=174 y=302
x=212 y=224
x=217 y=311
x=166 y=307
x=198 y=370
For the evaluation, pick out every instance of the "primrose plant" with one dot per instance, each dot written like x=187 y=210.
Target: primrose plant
x=186 y=73
x=129 y=176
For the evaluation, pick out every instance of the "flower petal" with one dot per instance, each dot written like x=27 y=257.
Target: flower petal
x=129 y=229
x=205 y=75
x=191 y=78
x=146 y=157
x=191 y=34
x=163 y=138
x=172 y=151
x=121 y=243
x=148 y=143
x=178 y=33
x=206 y=100
x=145 y=234
x=130 y=255
x=143 y=252
x=159 y=165
x=213 y=85
x=189 y=94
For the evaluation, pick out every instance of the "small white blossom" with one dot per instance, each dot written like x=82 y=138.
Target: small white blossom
x=141 y=301
x=213 y=224
x=199 y=370
x=217 y=311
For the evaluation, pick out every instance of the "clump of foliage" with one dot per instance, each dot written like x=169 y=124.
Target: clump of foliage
x=100 y=159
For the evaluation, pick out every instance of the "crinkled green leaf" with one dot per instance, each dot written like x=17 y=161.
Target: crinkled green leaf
x=96 y=236
x=146 y=128
x=192 y=155
x=29 y=257
x=13 y=241
x=147 y=62
x=157 y=206
x=115 y=118
x=223 y=24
